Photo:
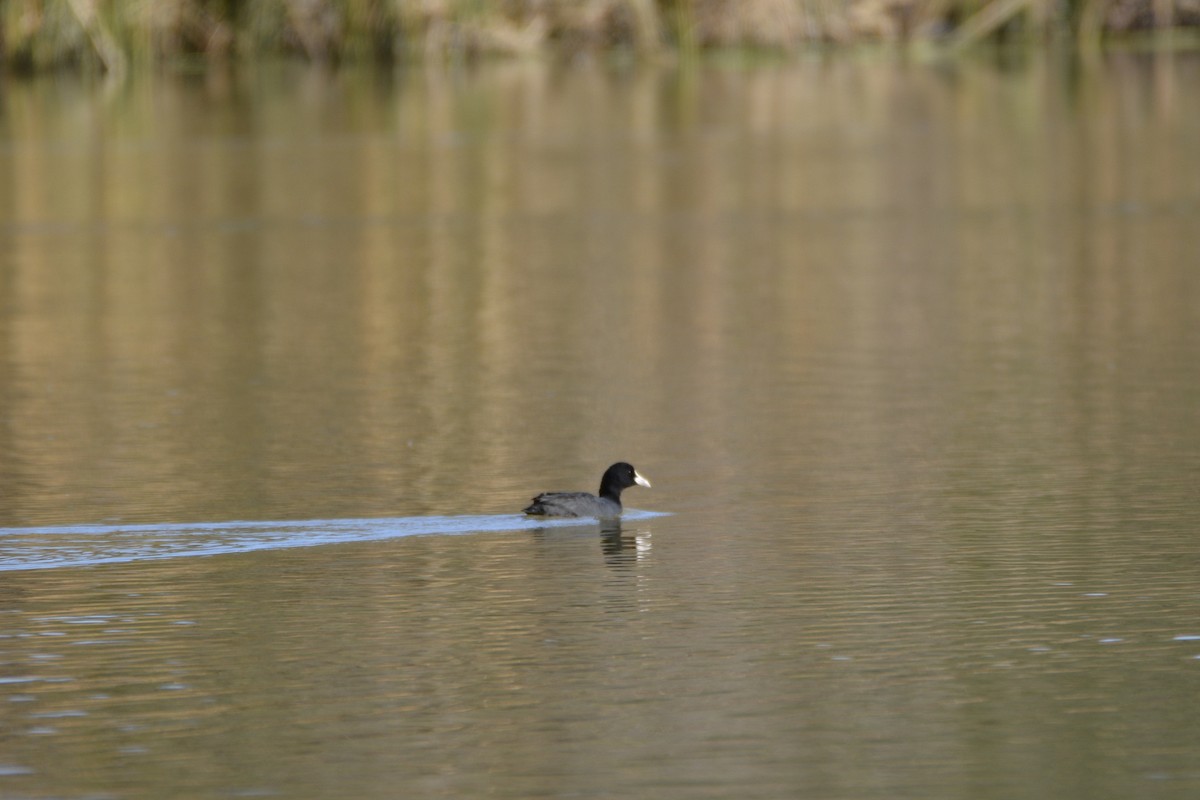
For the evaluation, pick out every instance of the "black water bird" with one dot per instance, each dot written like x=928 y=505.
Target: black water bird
x=618 y=477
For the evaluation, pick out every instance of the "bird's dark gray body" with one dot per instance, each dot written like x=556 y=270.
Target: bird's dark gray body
x=617 y=478
x=572 y=504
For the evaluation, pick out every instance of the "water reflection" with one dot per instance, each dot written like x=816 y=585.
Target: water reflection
x=374 y=298
x=624 y=548
x=910 y=351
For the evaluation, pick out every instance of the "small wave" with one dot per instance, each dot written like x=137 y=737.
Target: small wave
x=88 y=545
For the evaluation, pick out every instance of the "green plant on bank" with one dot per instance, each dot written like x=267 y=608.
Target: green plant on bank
x=109 y=34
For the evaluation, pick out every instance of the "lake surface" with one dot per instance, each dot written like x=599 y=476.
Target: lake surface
x=911 y=353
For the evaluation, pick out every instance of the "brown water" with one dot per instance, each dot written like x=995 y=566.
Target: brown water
x=909 y=352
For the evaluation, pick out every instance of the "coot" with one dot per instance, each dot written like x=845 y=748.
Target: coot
x=581 y=504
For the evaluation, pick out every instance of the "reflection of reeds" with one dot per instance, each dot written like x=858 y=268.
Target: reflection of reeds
x=36 y=34
x=359 y=287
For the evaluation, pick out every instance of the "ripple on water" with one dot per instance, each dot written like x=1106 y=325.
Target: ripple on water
x=90 y=545
x=12 y=770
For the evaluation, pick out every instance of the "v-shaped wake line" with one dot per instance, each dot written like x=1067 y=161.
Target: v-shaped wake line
x=61 y=546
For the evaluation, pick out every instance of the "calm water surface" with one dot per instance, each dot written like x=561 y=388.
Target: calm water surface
x=909 y=352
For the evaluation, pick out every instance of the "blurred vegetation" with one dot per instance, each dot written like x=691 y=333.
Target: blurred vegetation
x=110 y=34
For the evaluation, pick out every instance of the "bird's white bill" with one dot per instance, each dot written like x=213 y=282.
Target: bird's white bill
x=639 y=480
